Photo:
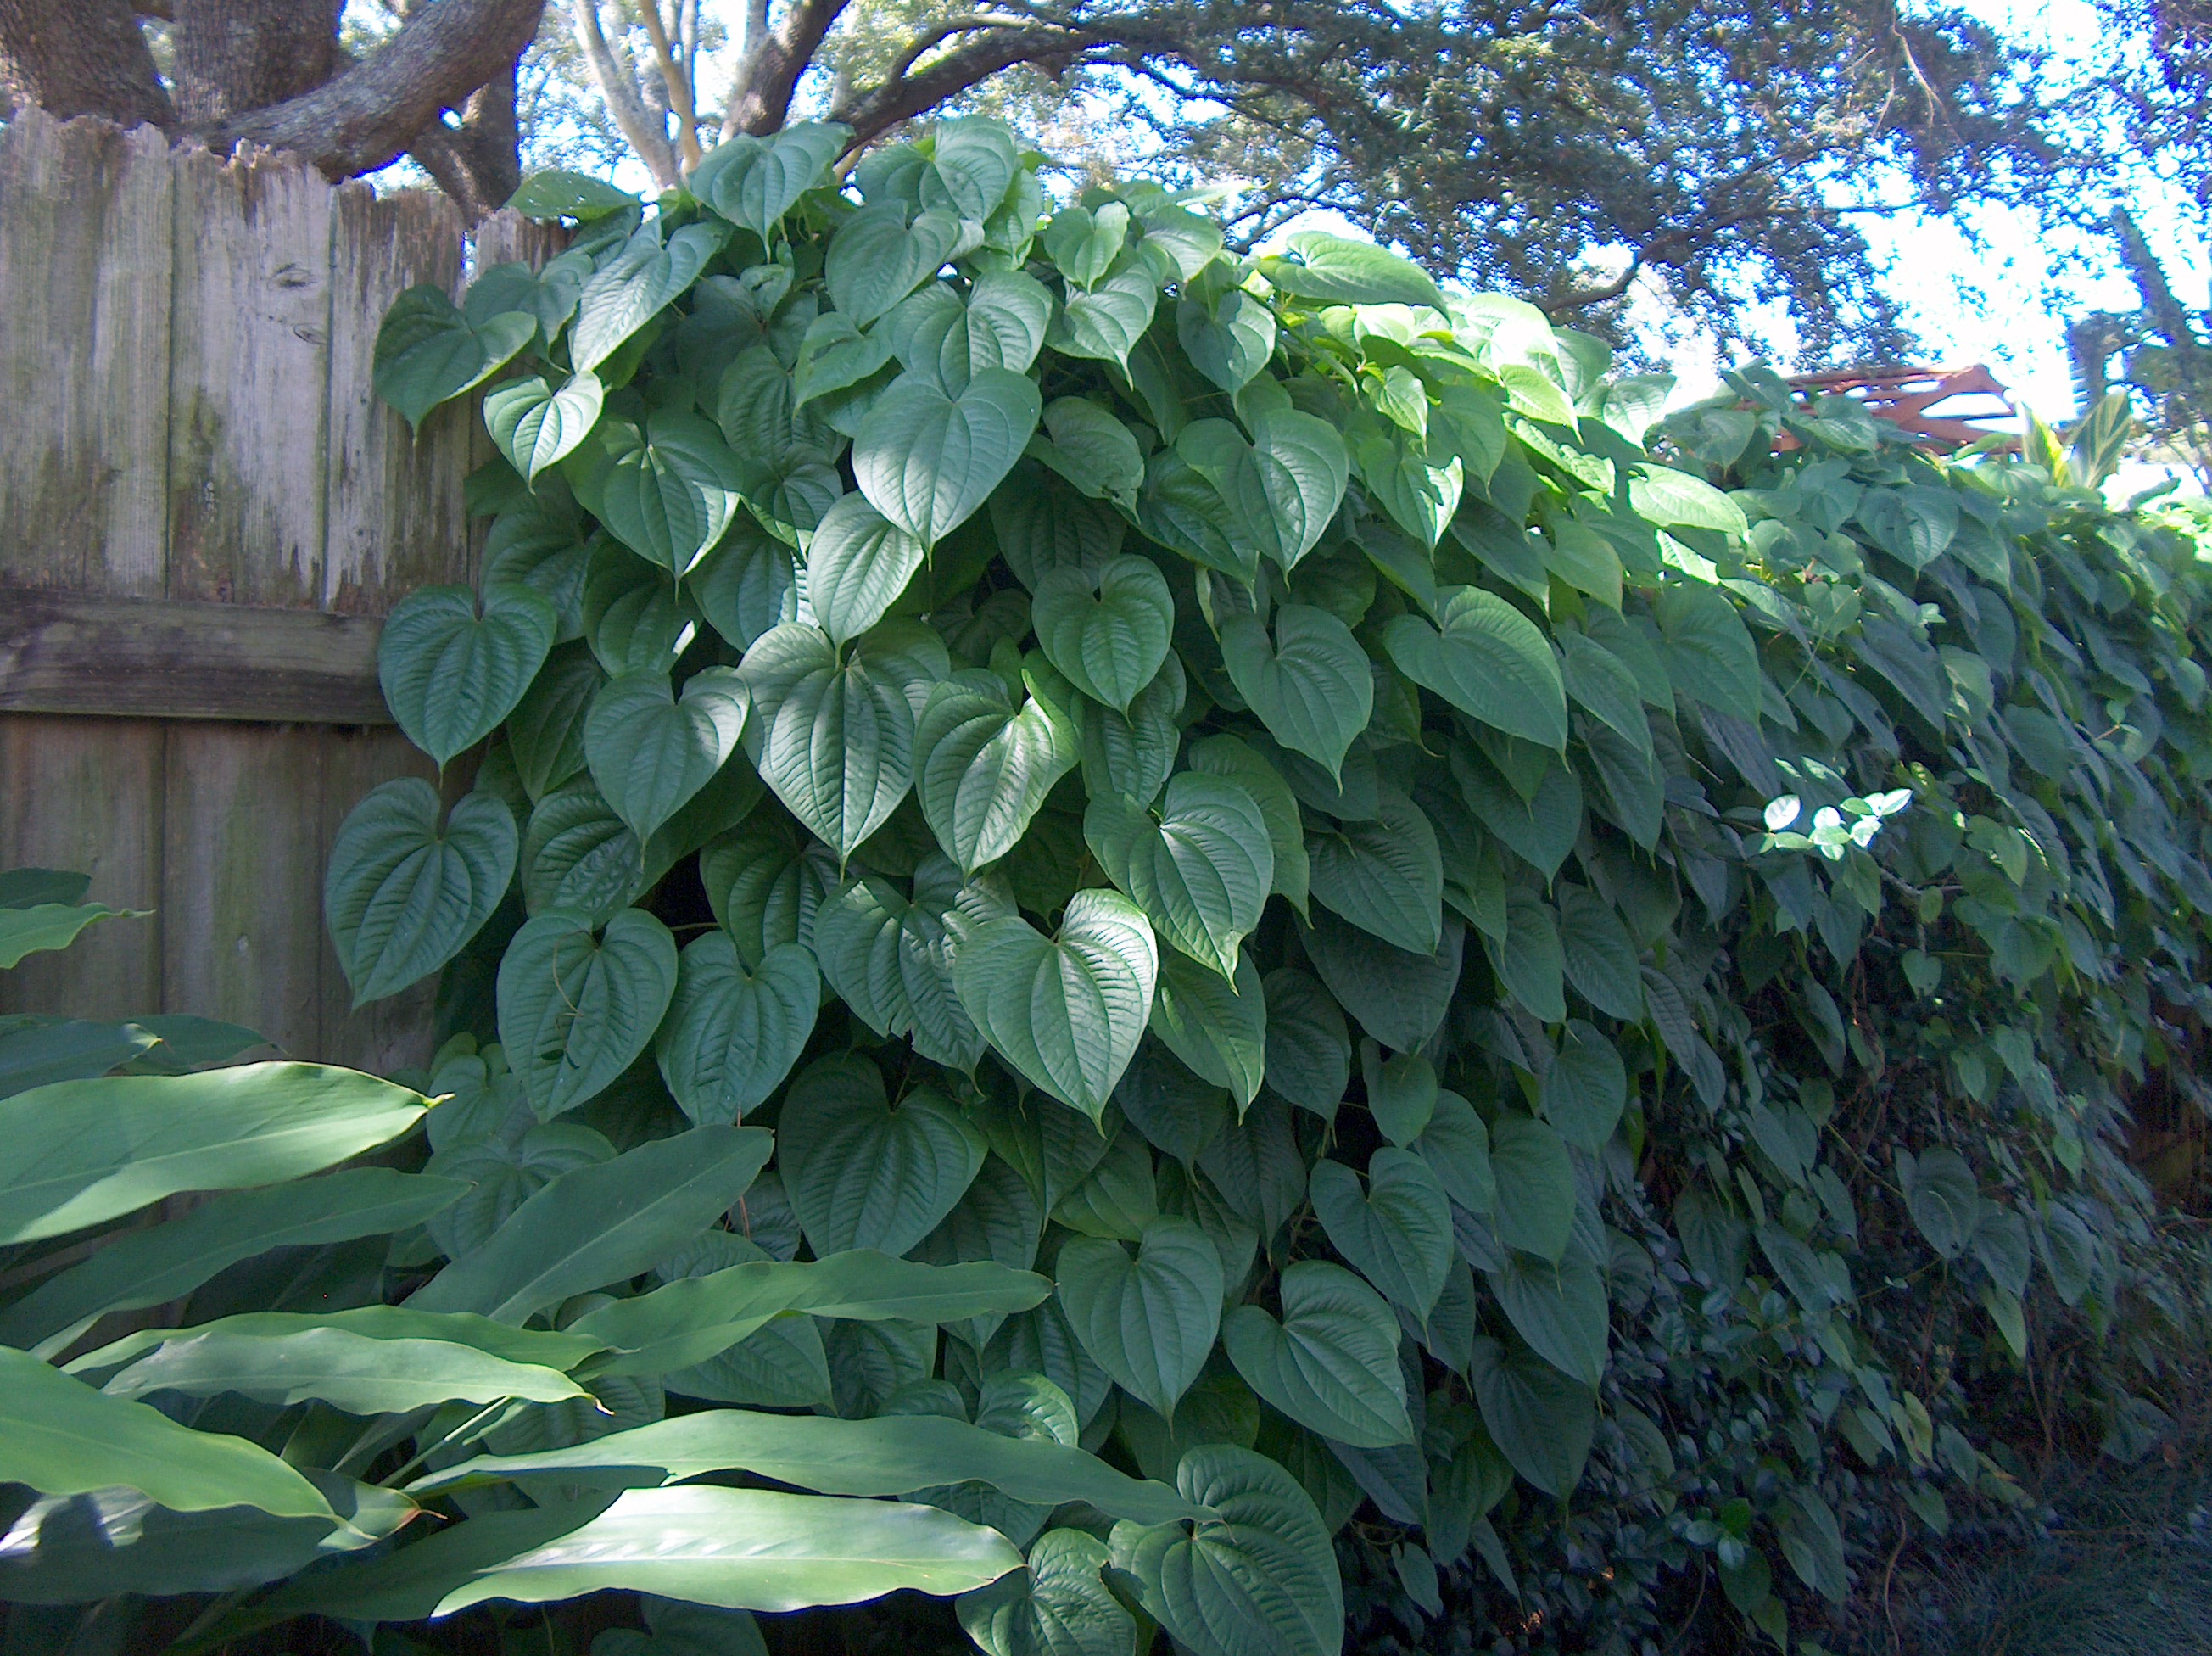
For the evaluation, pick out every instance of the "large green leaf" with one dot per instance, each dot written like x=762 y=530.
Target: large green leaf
x=1540 y=1419
x=1106 y=322
x=351 y=1371
x=1338 y=271
x=1536 y=1183
x=1488 y=659
x=1708 y=651
x=1239 y=762
x=1002 y=324
x=651 y=751
x=1150 y=1321
x=888 y=1455
x=577 y=854
x=1228 y=340
x=1586 y=1088
x=857 y=564
x=1331 y=1364
x=668 y=493
x=536 y=426
x=833 y=732
x=1200 y=869
x=601 y=1223
x=1559 y=1310
x=1400 y=998
x=1456 y=1146
x=1058 y=1606
x=926 y=460
x=451 y=675
x=427 y=353
x=1310 y=683
x=878 y=257
x=753 y=182
x=86 y=1151
x=890 y=959
x=1066 y=1011
x=159 y=1263
x=1598 y=680
x=38 y=926
x=1309 y=1048
x=60 y=1437
x=687 y=1321
x=984 y=766
x=628 y=288
x=1599 y=956
x=1397 y=1232
x=731 y=1035
x=401 y=897
x=750 y=1549
x=1108 y=635
x=1217 y=1026
x=1257 y=1579
x=1384 y=874
x=545 y=734
x=574 y=1008
x=1527 y=958
x=862 y=1174
x=523 y=1346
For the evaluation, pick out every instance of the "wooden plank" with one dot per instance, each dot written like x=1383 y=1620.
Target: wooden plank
x=173 y=659
x=397 y=520
x=85 y=257
x=394 y=1034
x=242 y=876
x=86 y=794
x=249 y=381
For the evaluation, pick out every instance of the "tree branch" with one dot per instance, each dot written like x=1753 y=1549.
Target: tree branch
x=371 y=114
x=680 y=103
x=1582 y=298
x=646 y=135
x=768 y=73
x=974 y=60
x=80 y=58
x=478 y=164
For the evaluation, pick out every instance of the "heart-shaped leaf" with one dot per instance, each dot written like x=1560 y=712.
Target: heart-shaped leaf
x=1218 y=1027
x=1600 y=957
x=1332 y=1363
x=1228 y=341
x=1397 y=1232
x=753 y=182
x=732 y=1036
x=401 y=897
x=984 y=767
x=545 y=732
x=1150 y=1321
x=1707 y=651
x=972 y=162
x=863 y=1175
x=1001 y=324
x=1128 y=754
x=1540 y=1418
x=1066 y=1011
x=1276 y=493
x=451 y=675
x=857 y=565
x=1309 y=1048
x=624 y=292
x=1598 y=680
x=1337 y=270
x=1090 y=448
x=427 y=353
x=1400 y=998
x=747 y=585
x=1586 y=1088
x=1084 y=244
x=832 y=732
x=536 y=426
x=1107 y=637
x=669 y=494
x=1310 y=685
x=635 y=618
x=650 y=751
x=577 y=853
x=1456 y=1146
x=1200 y=870
x=1107 y=322
x=1536 y=1183
x=1559 y=1310
x=1228 y=757
x=926 y=460
x=1384 y=875
x=1489 y=661
x=1060 y=1606
x=877 y=257
x=576 y=1009
x=891 y=959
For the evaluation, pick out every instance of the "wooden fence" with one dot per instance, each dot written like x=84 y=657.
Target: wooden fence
x=204 y=513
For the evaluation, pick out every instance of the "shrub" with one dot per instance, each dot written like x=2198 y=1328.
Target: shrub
x=1552 y=995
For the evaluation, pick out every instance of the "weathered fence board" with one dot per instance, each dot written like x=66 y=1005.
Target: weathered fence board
x=203 y=512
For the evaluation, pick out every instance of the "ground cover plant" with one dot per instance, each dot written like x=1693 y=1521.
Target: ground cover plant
x=1216 y=947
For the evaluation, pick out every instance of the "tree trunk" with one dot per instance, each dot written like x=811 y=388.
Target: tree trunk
x=236 y=56
x=80 y=58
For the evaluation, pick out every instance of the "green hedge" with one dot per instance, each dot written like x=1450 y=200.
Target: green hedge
x=1554 y=992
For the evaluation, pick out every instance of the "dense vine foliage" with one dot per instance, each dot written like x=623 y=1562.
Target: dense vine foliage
x=1551 y=996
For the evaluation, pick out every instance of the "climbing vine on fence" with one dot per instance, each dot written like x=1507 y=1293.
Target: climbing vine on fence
x=1296 y=807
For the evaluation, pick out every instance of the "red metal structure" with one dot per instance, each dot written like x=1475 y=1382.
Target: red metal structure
x=1915 y=398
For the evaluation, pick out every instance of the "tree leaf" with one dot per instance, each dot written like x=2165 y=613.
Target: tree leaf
x=402 y=897
x=624 y=292
x=578 y=855
x=1200 y=870
x=1399 y=998
x=576 y=1009
x=1228 y=340
x=601 y=1223
x=451 y=675
x=1542 y=1421
x=651 y=752
x=1258 y=1579
x=1599 y=956
x=863 y=1175
x=1529 y=960
x=1535 y=1184
x=1940 y=1194
x=88 y=1150
x=1310 y=685
x=1397 y=1232
x=1559 y=1310
x=877 y=257
x=1709 y=652
x=1586 y=1088
x=668 y=494
x=536 y=427
x=1150 y=1321
x=427 y=353
x=833 y=732
x=984 y=768
x=1332 y=1363
x=1338 y=271
x=926 y=460
x=1600 y=680
x=1060 y=1606
x=1236 y=761
x=1086 y=445
x=1309 y=1048
x=750 y=1549
x=1488 y=659
x=1066 y=1011
x=1384 y=875
x=1456 y=1146
x=1218 y=1027
x=1106 y=322
x=857 y=565
x=1107 y=637
x=753 y=182
x=731 y=1035
x=60 y=1437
